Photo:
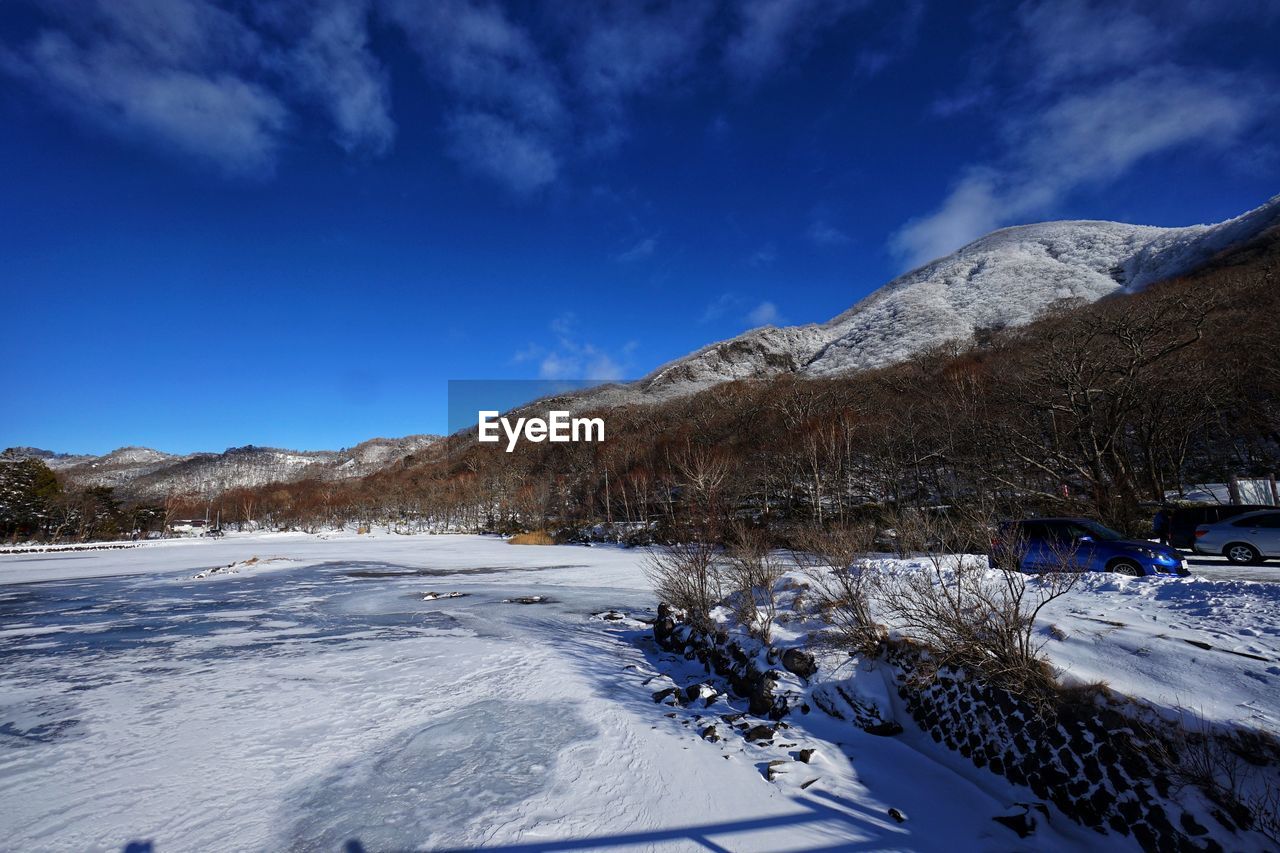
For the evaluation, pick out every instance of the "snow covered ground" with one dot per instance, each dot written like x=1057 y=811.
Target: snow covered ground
x=322 y=694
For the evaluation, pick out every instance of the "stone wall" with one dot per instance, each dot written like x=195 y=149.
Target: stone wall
x=747 y=670
x=1087 y=759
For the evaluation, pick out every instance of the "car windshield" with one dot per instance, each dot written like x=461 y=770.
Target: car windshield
x=1097 y=531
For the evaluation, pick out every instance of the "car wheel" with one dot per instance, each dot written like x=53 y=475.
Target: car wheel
x=1242 y=554
x=1125 y=567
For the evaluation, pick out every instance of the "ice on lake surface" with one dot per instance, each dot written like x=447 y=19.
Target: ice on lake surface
x=464 y=768
x=327 y=697
x=119 y=684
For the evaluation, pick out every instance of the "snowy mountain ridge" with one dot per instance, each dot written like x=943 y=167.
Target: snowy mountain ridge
x=146 y=473
x=1007 y=278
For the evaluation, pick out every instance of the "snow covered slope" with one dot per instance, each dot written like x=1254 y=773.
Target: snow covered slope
x=1007 y=278
x=142 y=472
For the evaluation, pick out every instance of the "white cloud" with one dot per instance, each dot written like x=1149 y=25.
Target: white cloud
x=639 y=251
x=218 y=84
x=969 y=211
x=767 y=32
x=573 y=358
x=823 y=233
x=332 y=63
x=764 y=314
x=522 y=90
x=507 y=115
x=1070 y=39
x=497 y=148
x=624 y=49
x=898 y=37
x=722 y=305
x=764 y=256
x=734 y=305
x=1102 y=92
x=219 y=117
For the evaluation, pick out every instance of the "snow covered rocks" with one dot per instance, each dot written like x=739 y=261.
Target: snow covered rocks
x=1020 y=818
x=799 y=662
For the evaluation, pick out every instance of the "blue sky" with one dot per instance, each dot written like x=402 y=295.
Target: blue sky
x=291 y=223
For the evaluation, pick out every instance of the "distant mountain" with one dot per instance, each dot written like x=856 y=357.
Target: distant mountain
x=145 y=473
x=1006 y=278
x=49 y=457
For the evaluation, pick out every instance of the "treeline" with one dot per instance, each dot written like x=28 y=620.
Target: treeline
x=1097 y=409
x=36 y=506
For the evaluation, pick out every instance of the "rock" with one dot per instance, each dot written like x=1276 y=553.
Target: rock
x=883 y=729
x=1191 y=825
x=1021 y=821
x=760 y=732
x=705 y=692
x=774 y=770
x=897 y=815
x=806 y=755
x=799 y=662
x=710 y=734
x=672 y=693
x=761 y=700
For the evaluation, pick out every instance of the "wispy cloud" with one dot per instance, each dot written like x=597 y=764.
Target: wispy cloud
x=498 y=148
x=763 y=256
x=738 y=307
x=823 y=233
x=191 y=77
x=640 y=250
x=764 y=314
x=622 y=50
x=895 y=39
x=1099 y=96
x=723 y=304
x=331 y=62
x=767 y=32
x=572 y=357
x=521 y=91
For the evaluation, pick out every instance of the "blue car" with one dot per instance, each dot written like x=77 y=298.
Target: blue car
x=1042 y=544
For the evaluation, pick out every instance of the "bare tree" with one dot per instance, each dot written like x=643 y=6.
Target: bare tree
x=842 y=581
x=687 y=576
x=752 y=571
x=979 y=618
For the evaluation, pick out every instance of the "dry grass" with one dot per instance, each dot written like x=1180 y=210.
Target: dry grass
x=534 y=537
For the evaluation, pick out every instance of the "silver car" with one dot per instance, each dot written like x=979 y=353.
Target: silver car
x=1245 y=539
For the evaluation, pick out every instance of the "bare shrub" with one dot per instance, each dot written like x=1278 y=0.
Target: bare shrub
x=687 y=576
x=909 y=533
x=752 y=572
x=978 y=618
x=1236 y=769
x=536 y=537
x=842 y=580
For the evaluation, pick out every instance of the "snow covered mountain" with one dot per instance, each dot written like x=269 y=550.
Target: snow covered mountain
x=1006 y=278
x=145 y=473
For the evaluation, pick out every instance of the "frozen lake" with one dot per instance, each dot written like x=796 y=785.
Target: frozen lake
x=325 y=697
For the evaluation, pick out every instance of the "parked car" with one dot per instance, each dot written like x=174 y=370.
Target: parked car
x=1180 y=522
x=1246 y=540
x=1042 y=544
